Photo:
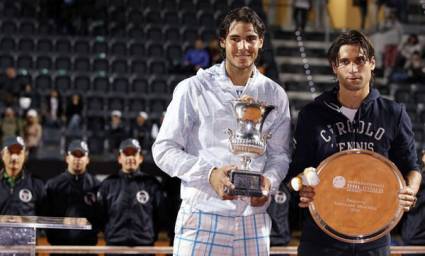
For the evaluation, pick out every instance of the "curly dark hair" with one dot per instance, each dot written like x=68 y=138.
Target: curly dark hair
x=352 y=37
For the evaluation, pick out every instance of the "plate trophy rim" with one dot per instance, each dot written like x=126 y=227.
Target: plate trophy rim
x=375 y=234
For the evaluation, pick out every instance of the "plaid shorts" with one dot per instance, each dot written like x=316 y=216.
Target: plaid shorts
x=203 y=233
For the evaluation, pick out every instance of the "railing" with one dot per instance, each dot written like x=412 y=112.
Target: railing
x=291 y=250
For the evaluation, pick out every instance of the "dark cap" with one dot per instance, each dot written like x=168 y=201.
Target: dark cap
x=10 y=141
x=79 y=145
x=130 y=143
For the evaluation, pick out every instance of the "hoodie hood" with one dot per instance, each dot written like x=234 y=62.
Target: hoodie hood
x=218 y=73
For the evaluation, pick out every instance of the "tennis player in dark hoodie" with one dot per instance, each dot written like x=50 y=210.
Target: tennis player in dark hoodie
x=352 y=115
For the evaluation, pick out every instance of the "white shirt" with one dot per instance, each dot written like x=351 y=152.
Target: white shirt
x=193 y=139
x=350 y=113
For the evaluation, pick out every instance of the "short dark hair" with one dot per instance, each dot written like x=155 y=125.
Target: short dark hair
x=352 y=37
x=244 y=14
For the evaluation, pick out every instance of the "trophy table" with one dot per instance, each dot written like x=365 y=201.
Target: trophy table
x=18 y=233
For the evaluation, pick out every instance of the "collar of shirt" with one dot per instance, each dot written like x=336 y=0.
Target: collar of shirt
x=11 y=181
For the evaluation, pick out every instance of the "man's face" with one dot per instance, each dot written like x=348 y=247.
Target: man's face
x=13 y=158
x=140 y=120
x=115 y=120
x=242 y=44
x=130 y=159
x=77 y=162
x=354 y=69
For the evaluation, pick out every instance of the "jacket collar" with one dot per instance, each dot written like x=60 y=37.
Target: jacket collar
x=330 y=98
x=137 y=173
x=218 y=73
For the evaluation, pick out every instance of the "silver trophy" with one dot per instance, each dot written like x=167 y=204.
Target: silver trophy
x=248 y=142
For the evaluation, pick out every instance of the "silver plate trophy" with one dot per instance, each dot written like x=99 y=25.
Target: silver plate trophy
x=248 y=142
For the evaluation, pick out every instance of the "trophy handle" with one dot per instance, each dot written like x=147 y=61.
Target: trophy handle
x=229 y=132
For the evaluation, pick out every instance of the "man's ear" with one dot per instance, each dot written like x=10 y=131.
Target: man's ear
x=222 y=43
x=334 y=68
x=372 y=63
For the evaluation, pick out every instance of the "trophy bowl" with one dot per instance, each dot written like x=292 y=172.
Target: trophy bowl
x=356 y=200
x=248 y=142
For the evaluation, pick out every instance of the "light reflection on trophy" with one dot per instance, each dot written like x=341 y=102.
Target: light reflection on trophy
x=248 y=142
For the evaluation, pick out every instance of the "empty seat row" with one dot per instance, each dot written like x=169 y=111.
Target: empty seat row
x=100 y=84
x=153 y=65
x=90 y=45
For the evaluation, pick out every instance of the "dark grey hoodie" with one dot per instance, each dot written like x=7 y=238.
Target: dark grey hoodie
x=380 y=125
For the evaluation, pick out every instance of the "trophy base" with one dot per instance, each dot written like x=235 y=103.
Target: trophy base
x=246 y=183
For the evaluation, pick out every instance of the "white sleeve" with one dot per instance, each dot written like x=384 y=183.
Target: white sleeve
x=169 y=148
x=278 y=147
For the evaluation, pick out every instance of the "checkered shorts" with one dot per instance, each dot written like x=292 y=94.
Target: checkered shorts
x=202 y=233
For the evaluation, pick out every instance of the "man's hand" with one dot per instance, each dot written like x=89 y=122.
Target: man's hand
x=220 y=181
x=258 y=201
x=407 y=198
x=306 y=196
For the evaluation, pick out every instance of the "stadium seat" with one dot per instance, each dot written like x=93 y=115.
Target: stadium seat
x=44 y=45
x=206 y=18
x=63 y=62
x=189 y=34
x=25 y=62
x=26 y=44
x=173 y=52
x=43 y=83
x=116 y=102
x=7 y=44
x=63 y=46
x=153 y=32
x=158 y=85
x=207 y=34
x=99 y=46
x=170 y=17
x=100 y=84
x=27 y=27
x=135 y=16
x=139 y=66
x=95 y=105
x=118 y=48
x=82 y=63
x=44 y=62
x=120 y=85
x=139 y=85
x=81 y=46
x=157 y=66
x=100 y=65
x=119 y=66
x=152 y=16
x=135 y=31
x=9 y=27
x=187 y=5
x=82 y=83
x=171 y=33
x=63 y=84
x=155 y=49
x=188 y=18
x=158 y=105
x=137 y=104
x=137 y=49
x=6 y=60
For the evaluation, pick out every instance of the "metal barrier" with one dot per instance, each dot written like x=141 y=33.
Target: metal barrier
x=291 y=250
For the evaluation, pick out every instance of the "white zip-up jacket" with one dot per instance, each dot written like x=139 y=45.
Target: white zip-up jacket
x=192 y=139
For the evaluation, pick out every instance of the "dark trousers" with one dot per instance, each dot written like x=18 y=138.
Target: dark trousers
x=310 y=249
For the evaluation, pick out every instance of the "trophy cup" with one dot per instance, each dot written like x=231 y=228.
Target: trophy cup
x=248 y=142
